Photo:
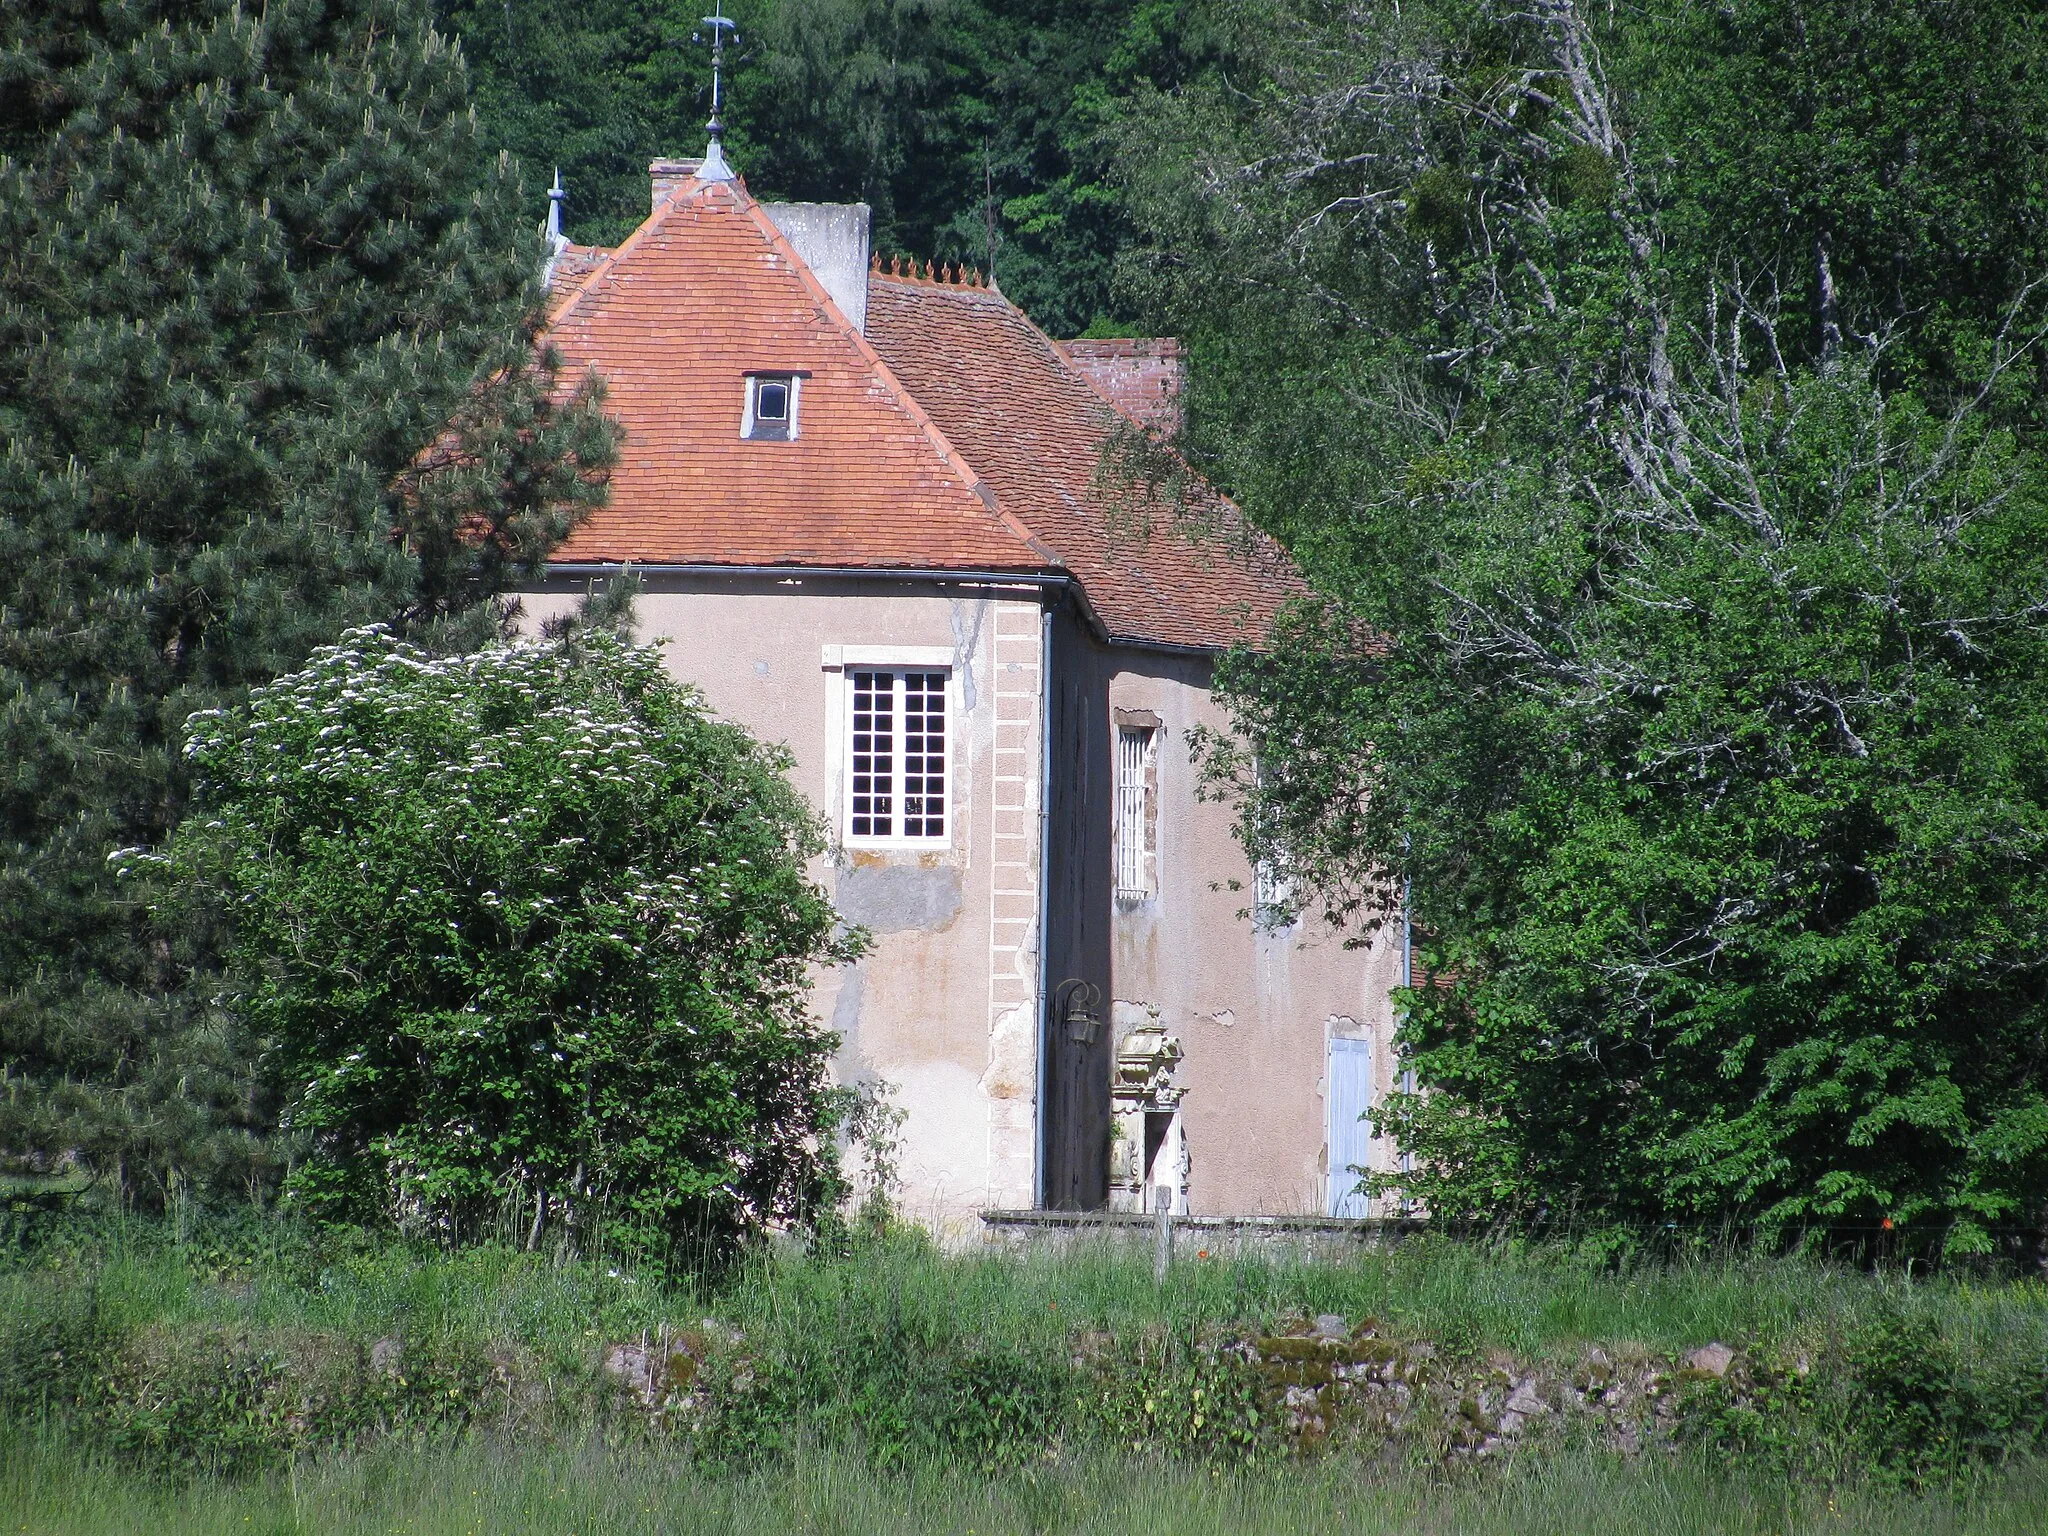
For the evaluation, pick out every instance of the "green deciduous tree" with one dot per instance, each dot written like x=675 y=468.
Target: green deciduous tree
x=256 y=261
x=523 y=927
x=941 y=114
x=1684 y=592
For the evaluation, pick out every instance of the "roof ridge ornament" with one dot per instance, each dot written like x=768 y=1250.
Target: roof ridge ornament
x=947 y=274
x=551 y=232
x=716 y=167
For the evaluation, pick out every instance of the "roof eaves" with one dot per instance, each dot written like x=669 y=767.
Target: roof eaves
x=1053 y=578
x=1038 y=576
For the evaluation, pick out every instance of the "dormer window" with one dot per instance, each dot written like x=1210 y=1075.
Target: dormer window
x=770 y=414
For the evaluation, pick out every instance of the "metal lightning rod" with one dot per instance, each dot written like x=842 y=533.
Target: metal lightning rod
x=716 y=167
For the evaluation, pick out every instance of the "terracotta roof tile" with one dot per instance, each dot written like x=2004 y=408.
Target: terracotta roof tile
x=1010 y=400
x=702 y=293
x=954 y=436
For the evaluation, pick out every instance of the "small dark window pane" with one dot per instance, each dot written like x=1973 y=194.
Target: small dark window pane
x=771 y=408
x=924 y=754
x=874 y=754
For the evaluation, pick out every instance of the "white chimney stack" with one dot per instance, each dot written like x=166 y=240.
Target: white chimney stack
x=832 y=239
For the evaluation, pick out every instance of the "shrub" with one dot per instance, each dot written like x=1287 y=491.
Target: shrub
x=526 y=931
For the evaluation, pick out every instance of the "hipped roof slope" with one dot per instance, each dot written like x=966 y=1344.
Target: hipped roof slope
x=702 y=294
x=953 y=436
x=1180 y=569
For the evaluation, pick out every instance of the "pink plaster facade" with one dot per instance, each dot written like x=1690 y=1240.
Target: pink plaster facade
x=945 y=1009
x=1252 y=1003
x=1061 y=1026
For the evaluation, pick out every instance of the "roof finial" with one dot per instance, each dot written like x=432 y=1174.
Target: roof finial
x=556 y=197
x=716 y=167
x=552 y=230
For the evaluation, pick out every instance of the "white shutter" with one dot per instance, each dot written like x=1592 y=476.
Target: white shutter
x=1347 y=1089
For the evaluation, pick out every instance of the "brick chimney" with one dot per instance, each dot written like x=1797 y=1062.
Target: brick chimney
x=1140 y=376
x=667 y=175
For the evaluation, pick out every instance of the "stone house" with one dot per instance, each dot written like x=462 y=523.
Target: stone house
x=872 y=516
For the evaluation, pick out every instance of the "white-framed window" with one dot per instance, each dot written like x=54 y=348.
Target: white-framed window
x=770 y=411
x=898 y=786
x=1272 y=894
x=1273 y=899
x=1137 y=815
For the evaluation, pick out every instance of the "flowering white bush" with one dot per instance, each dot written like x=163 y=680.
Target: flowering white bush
x=525 y=928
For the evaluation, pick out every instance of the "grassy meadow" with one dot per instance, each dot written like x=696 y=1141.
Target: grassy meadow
x=485 y=1490
x=260 y=1376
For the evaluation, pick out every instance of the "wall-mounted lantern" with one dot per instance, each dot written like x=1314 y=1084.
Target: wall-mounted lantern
x=1079 y=1004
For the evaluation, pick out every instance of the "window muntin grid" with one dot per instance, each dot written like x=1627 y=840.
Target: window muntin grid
x=1273 y=903
x=1133 y=812
x=1272 y=893
x=924 y=754
x=897 y=762
x=874 y=754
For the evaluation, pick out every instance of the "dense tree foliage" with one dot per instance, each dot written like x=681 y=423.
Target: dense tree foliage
x=966 y=124
x=257 y=261
x=1651 y=394
x=524 y=928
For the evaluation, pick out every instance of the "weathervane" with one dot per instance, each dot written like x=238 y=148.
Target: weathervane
x=715 y=167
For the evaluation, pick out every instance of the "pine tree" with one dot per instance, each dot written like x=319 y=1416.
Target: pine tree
x=255 y=262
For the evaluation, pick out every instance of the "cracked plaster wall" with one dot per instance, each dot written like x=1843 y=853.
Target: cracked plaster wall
x=920 y=1012
x=1252 y=1007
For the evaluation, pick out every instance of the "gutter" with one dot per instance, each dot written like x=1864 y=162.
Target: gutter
x=587 y=570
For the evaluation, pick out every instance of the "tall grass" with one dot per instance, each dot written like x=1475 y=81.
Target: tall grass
x=51 y=1490
x=247 y=1345
x=1534 y=1301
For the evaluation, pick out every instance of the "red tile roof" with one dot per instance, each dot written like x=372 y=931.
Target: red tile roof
x=953 y=436
x=1179 y=570
x=702 y=293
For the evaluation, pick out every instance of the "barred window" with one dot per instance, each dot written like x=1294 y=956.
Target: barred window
x=897 y=782
x=1135 y=816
